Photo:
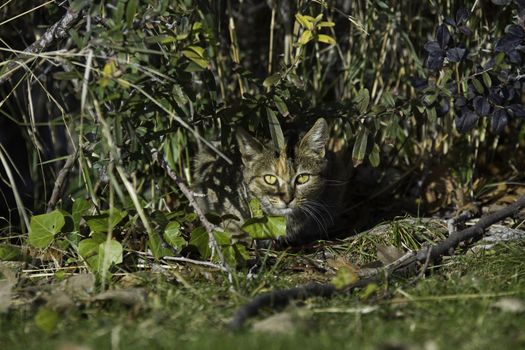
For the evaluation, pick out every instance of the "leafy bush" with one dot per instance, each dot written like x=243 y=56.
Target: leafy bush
x=131 y=77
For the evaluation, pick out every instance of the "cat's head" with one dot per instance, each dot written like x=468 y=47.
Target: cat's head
x=285 y=180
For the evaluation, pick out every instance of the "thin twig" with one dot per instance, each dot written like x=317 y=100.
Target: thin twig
x=57 y=31
x=189 y=195
x=183 y=259
x=195 y=262
x=59 y=182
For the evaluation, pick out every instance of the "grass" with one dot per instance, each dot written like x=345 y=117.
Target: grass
x=452 y=307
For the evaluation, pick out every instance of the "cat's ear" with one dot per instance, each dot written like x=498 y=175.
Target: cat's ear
x=248 y=145
x=314 y=142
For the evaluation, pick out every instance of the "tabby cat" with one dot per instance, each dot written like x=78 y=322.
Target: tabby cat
x=304 y=183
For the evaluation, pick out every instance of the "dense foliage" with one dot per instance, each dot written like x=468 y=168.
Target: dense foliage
x=398 y=80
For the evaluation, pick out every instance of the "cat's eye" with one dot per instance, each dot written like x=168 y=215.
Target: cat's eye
x=270 y=179
x=302 y=179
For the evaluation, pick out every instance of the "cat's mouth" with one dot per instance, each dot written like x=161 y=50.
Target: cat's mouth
x=281 y=211
x=271 y=209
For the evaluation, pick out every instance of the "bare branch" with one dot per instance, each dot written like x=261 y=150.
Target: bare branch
x=59 y=183
x=191 y=199
x=55 y=32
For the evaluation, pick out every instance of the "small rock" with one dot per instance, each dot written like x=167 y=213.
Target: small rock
x=513 y=305
x=282 y=323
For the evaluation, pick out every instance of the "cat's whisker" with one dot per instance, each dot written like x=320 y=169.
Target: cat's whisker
x=319 y=205
x=317 y=215
x=335 y=183
x=313 y=215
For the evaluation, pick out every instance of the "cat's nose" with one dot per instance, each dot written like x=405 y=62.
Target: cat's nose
x=286 y=198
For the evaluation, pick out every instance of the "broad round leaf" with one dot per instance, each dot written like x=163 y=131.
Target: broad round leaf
x=481 y=105
x=268 y=227
x=499 y=120
x=507 y=43
x=516 y=30
x=456 y=54
x=43 y=228
x=109 y=253
x=435 y=60
x=443 y=35
x=466 y=121
x=199 y=239
x=173 y=235
x=46 y=319
x=461 y=15
x=518 y=110
x=432 y=46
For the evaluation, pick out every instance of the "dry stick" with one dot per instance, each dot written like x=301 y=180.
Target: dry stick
x=183 y=259
x=196 y=262
x=59 y=183
x=281 y=298
x=189 y=195
x=55 y=32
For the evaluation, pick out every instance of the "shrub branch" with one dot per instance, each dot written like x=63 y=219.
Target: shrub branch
x=208 y=226
x=59 y=183
x=57 y=31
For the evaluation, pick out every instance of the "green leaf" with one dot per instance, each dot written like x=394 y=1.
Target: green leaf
x=326 y=24
x=281 y=106
x=156 y=247
x=429 y=99
x=275 y=129
x=382 y=4
x=486 y=79
x=173 y=235
x=327 y=39
x=305 y=37
x=9 y=252
x=43 y=228
x=478 y=86
x=370 y=289
x=374 y=157
x=362 y=100
x=359 y=150
x=271 y=80
x=131 y=9
x=500 y=57
x=179 y=95
x=267 y=227
x=304 y=21
x=80 y=208
x=88 y=250
x=196 y=55
x=100 y=254
x=78 y=5
x=105 y=221
x=388 y=100
x=344 y=277
x=222 y=237
x=46 y=319
x=255 y=208
x=199 y=239
x=431 y=114
x=119 y=11
x=66 y=75
x=109 y=253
